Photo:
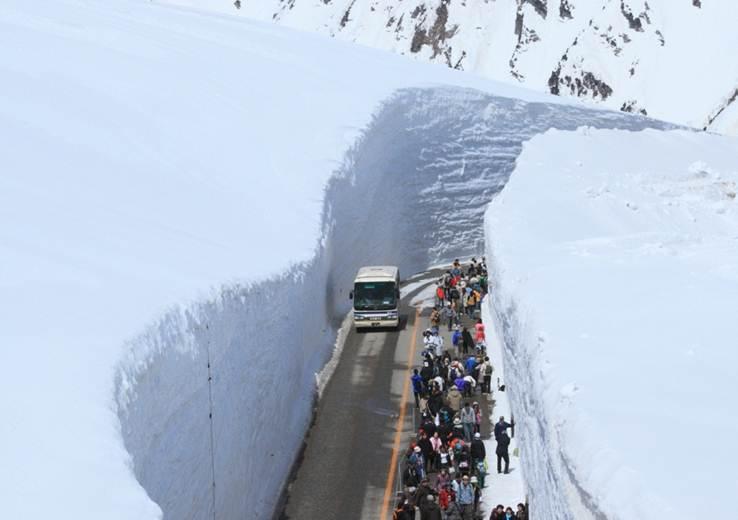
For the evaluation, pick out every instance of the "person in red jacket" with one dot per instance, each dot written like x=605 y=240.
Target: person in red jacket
x=445 y=496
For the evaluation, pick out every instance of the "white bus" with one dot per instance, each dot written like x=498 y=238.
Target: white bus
x=376 y=297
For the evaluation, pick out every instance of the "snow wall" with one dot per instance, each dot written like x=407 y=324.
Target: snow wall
x=412 y=192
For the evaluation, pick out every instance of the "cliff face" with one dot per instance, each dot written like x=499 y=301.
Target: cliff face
x=670 y=59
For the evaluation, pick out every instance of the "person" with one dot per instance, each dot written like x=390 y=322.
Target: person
x=456 y=340
x=400 y=512
x=436 y=445
x=477 y=492
x=468 y=419
x=497 y=513
x=486 y=371
x=471 y=302
x=509 y=515
x=424 y=490
x=426 y=448
x=467 y=341
x=481 y=472
x=503 y=442
x=440 y=295
x=437 y=341
x=445 y=495
x=417 y=386
x=448 y=315
x=478 y=451
x=465 y=497
x=480 y=337
x=442 y=479
x=454 y=398
x=501 y=426
x=416 y=459
x=426 y=373
x=435 y=318
x=444 y=457
x=429 y=510
x=470 y=364
x=521 y=513
x=453 y=511
x=435 y=401
x=477 y=417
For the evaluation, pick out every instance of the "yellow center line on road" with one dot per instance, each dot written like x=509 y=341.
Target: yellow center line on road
x=400 y=421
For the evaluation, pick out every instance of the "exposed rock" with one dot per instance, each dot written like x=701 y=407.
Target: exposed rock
x=635 y=22
x=437 y=34
x=539 y=5
x=660 y=36
x=345 y=18
x=632 y=107
x=565 y=10
x=587 y=84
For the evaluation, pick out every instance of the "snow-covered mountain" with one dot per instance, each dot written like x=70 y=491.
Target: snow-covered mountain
x=670 y=59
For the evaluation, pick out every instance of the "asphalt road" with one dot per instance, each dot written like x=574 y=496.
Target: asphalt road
x=345 y=471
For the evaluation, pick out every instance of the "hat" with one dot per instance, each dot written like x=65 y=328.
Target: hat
x=477 y=436
x=474 y=480
x=431 y=498
x=417 y=449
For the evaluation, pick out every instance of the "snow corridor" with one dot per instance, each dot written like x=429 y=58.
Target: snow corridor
x=214 y=399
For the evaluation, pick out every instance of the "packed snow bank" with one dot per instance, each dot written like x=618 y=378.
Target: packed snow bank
x=164 y=177
x=614 y=259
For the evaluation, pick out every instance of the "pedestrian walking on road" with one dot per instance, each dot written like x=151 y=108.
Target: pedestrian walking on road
x=456 y=340
x=429 y=510
x=448 y=314
x=417 y=386
x=454 y=398
x=466 y=499
x=503 y=442
x=486 y=371
x=467 y=341
x=479 y=335
x=468 y=419
x=477 y=417
x=478 y=451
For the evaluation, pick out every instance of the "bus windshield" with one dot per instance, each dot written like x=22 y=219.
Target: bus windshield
x=374 y=296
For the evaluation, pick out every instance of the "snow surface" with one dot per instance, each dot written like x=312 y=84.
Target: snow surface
x=614 y=261
x=508 y=490
x=670 y=58
x=167 y=203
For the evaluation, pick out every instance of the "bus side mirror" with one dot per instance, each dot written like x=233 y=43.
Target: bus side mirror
x=351 y=295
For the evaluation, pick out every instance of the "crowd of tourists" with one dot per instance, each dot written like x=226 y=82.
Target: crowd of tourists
x=445 y=465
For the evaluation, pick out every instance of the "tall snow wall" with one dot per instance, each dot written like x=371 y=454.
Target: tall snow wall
x=214 y=399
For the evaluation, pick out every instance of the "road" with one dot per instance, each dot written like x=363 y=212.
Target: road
x=364 y=421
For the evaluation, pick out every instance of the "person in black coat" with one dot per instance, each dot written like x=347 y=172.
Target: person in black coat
x=467 y=342
x=501 y=426
x=503 y=442
x=478 y=451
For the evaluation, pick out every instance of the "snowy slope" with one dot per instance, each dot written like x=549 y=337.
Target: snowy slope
x=149 y=156
x=670 y=58
x=615 y=268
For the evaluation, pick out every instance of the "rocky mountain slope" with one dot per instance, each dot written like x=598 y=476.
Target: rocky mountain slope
x=670 y=59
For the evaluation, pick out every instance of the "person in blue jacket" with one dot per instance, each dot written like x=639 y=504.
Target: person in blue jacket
x=417 y=386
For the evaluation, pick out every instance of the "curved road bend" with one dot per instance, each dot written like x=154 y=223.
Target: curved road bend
x=345 y=471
